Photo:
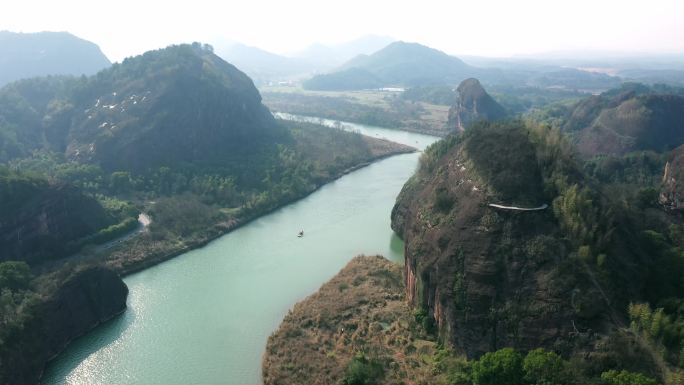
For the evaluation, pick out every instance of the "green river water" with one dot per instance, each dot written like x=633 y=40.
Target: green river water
x=204 y=317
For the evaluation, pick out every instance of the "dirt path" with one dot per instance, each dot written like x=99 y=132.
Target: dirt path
x=144 y=221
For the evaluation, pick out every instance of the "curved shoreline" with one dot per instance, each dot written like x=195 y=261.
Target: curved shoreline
x=234 y=225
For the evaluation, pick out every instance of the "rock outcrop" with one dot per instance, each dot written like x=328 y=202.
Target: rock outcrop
x=473 y=104
x=84 y=300
x=494 y=278
x=672 y=191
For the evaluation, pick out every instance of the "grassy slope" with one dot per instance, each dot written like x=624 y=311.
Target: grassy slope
x=361 y=309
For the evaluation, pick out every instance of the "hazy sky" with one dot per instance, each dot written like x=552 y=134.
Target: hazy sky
x=477 y=27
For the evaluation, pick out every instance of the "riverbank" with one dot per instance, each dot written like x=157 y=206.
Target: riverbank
x=144 y=251
x=206 y=317
x=162 y=238
x=371 y=107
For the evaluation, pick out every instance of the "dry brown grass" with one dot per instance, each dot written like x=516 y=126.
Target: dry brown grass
x=362 y=309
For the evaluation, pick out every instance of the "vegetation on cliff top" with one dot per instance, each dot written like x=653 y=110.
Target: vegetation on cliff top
x=603 y=240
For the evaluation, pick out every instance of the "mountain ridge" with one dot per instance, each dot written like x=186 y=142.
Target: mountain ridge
x=25 y=55
x=401 y=64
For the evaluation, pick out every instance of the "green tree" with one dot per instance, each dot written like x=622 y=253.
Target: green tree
x=613 y=377
x=14 y=275
x=647 y=197
x=544 y=368
x=504 y=366
x=120 y=181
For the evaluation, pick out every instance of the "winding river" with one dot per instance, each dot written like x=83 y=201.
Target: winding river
x=204 y=317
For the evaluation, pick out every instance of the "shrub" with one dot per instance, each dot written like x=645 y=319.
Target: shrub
x=14 y=275
x=443 y=200
x=613 y=377
x=363 y=371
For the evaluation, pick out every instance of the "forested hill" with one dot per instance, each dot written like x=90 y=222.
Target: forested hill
x=398 y=64
x=174 y=105
x=634 y=117
x=24 y=55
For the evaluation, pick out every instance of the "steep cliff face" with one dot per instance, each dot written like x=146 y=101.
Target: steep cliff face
x=473 y=104
x=85 y=299
x=672 y=191
x=42 y=220
x=495 y=277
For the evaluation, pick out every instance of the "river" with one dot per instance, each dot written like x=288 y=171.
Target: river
x=204 y=317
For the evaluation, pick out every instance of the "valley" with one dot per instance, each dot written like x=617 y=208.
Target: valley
x=178 y=309
x=292 y=203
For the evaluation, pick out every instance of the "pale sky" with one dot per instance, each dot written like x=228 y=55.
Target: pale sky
x=476 y=27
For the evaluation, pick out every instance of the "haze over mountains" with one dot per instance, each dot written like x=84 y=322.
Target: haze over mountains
x=336 y=54
x=24 y=55
x=367 y=62
x=375 y=62
x=264 y=66
x=403 y=64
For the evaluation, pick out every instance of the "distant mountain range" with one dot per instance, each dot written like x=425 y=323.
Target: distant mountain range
x=24 y=55
x=402 y=64
x=398 y=64
x=330 y=56
x=265 y=67
x=379 y=61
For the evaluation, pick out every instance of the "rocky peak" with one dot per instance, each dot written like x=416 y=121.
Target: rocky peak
x=672 y=191
x=473 y=104
x=484 y=254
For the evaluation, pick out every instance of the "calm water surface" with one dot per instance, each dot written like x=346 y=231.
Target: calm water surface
x=204 y=317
